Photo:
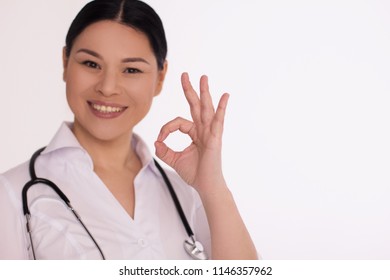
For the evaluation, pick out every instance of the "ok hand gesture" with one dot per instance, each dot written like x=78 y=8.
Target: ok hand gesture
x=199 y=164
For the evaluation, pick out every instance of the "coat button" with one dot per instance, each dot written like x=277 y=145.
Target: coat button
x=142 y=242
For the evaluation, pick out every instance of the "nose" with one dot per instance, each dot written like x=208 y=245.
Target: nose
x=107 y=84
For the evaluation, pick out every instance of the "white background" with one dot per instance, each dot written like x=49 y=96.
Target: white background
x=306 y=144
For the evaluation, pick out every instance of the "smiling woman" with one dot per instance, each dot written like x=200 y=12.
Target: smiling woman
x=128 y=206
x=127 y=79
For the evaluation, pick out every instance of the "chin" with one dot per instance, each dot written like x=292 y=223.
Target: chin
x=110 y=134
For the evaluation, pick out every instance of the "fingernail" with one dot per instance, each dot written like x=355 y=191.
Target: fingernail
x=160 y=136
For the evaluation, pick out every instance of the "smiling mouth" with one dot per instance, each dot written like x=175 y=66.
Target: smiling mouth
x=106 y=109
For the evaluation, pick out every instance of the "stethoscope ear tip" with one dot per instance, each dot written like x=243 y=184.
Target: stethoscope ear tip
x=195 y=249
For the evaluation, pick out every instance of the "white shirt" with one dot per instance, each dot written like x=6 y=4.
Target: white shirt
x=156 y=232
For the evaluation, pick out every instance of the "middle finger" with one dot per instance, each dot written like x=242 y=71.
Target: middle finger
x=192 y=98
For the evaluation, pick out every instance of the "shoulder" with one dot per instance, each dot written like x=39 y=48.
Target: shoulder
x=13 y=180
x=11 y=186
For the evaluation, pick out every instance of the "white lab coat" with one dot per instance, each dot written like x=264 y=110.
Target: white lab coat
x=156 y=232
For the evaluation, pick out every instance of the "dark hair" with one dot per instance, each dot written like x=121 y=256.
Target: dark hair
x=133 y=13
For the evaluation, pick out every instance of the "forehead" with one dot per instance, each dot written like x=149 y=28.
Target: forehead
x=110 y=37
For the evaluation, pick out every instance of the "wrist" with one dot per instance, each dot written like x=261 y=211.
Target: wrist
x=215 y=192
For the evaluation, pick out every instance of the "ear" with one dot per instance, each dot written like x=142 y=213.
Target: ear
x=64 y=63
x=161 y=78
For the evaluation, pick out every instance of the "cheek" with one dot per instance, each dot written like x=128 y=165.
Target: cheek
x=142 y=90
x=77 y=83
x=75 y=89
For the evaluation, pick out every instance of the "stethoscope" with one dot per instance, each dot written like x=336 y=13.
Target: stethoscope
x=193 y=247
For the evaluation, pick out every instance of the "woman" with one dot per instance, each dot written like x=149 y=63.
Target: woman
x=114 y=64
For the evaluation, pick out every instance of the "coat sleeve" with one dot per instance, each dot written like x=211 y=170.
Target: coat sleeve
x=13 y=241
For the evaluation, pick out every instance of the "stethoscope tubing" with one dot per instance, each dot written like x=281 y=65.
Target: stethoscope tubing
x=37 y=180
x=175 y=200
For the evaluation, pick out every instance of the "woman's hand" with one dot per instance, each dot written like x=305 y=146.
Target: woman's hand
x=199 y=164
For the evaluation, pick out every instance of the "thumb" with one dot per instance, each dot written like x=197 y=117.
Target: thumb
x=164 y=153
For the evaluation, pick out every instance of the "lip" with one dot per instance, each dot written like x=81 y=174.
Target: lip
x=106 y=115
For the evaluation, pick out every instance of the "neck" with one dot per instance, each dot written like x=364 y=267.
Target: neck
x=108 y=154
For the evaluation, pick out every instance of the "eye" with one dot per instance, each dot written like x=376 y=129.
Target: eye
x=91 y=64
x=132 y=71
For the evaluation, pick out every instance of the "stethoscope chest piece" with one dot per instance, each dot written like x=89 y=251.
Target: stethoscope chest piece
x=195 y=249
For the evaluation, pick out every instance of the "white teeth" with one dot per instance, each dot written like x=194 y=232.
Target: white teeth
x=106 y=109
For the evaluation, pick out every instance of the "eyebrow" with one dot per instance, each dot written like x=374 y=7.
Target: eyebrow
x=125 y=60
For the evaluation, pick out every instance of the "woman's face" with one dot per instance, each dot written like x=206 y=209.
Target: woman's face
x=111 y=78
